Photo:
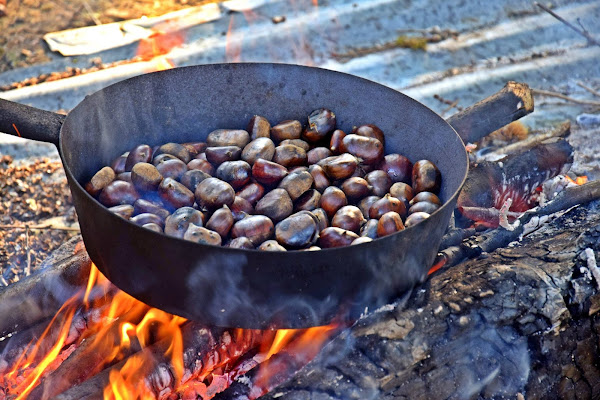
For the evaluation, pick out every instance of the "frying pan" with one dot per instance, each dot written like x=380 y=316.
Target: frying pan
x=233 y=287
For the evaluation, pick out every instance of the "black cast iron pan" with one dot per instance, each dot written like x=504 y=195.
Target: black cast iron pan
x=231 y=287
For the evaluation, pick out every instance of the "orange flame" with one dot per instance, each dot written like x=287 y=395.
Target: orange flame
x=580 y=180
x=233 y=49
x=132 y=340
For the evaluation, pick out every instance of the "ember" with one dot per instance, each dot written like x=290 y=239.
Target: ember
x=102 y=336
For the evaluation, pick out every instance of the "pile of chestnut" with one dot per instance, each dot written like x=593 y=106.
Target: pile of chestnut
x=274 y=188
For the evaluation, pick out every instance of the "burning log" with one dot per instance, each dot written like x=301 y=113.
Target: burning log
x=40 y=296
x=515 y=178
x=521 y=322
x=514 y=101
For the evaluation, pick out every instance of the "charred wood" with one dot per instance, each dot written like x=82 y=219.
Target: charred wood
x=520 y=322
x=514 y=101
x=40 y=296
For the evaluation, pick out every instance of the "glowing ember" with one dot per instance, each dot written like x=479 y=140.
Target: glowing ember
x=580 y=180
x=145 y=353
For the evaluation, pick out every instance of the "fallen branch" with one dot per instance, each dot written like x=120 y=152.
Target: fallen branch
x=589 y=89
x=514 y=101
x=563 y=130
x=583 y=33
x=564 y=97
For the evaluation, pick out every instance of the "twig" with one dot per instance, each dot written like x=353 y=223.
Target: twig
x=28 y=251
x=563 y=130
x=40 y=227
x=589 y=89
x=562 y=96
x=91 y=13
x=567 y=23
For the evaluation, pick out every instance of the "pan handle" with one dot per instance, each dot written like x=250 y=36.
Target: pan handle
x=30 y=122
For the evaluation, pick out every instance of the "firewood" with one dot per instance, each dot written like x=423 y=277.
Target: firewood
x=40 y=296
x=514 y=101
x=521 y=322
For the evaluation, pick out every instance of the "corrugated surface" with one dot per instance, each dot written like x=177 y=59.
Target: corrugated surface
x=500 y=40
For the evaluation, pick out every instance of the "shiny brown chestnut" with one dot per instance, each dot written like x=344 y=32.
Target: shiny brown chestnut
x=142 y=206
x=370 y=130
x=174 y=149
x=195 y=148
x=124 y=176
x=276 y=205
x=349 y=218
x=118 y=164
x=297 y=231
x=426 y=177
x=100 y=180
x=366 y=203
x=177 y=223
x=339 y=167
x=289 y=129
x=320 y=122
x=398 y=168
x=228 y=137
x=174 y=194
x=309 y=201
x=118 y=192
x=241 y=208
x=174 y=168
x=336 y=237
x=241 y=243
x=199 y=234
x=317 y=154
x=356 y=188
x=296 y=142
x=202 y=165
x=415 y=218
x=369 y=229
x=389 y=223
x=214 y=193
x=296 y=183
x=256 y=228
x=271 y=245
x=423 y=206
x=289 y=155
x=401 y=190
x=321 y=218
x=192 y=178
x=332 y=200
x=221 y=221
x=379 y=181
x=387 y=204
x=141 y=153
x=147 y=218
x=259 y=127
x=336 y=143
x=145 y=176
x=426 y=196
x=123 y=210
x=236 y=173
x=369 y=150
x=218 y=155
x=153 y=227
x=267 y=172
x=261 y=147
x=320 y=180
x=252 y=192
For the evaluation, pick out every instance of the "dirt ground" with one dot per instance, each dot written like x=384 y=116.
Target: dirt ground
x=27 y=21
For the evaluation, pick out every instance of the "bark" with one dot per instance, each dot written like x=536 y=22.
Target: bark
x=40 y=296
x=514 y=101
x=521 y=322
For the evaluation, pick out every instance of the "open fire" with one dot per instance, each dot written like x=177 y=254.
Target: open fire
x=103 y=337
